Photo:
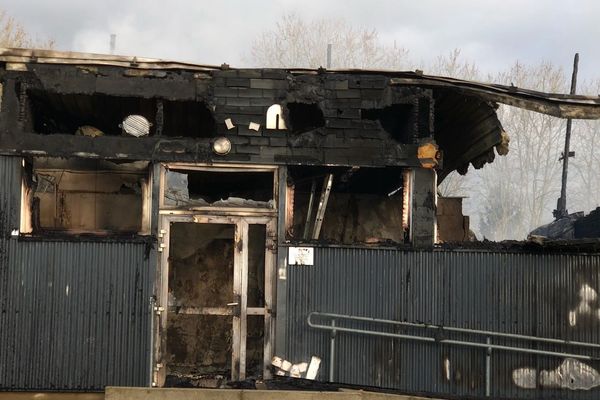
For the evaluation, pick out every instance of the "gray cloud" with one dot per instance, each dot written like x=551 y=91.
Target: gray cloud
x=493 y=34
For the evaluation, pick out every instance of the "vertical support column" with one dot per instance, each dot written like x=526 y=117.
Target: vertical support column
x=160 y=228
x=238 y=257
x=281 y=267
x=488 y=368
x=160 y=311
x=243 y=298
x=332 y=352
x=157 y=183
x=423 y=229
x=270 y=290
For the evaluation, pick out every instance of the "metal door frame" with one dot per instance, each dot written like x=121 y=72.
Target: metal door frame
x=240 y=284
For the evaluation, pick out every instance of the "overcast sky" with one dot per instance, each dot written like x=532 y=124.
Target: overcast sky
x=493 y=34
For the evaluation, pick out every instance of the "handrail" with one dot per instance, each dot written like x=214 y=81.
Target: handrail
x=449 y=329
x=488 y=345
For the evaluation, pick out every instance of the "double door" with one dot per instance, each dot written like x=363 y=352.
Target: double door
x=217 y=283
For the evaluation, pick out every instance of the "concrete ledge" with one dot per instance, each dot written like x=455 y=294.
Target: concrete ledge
x=126 y=393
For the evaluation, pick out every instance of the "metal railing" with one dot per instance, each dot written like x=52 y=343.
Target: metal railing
x=330 y=322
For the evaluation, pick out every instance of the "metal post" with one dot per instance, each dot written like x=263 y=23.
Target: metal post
x=311 y=200
x=322 y=205
x=329 y=56
x=488 y=368
x=332 y=352
x=113 y=43
x=561 y=205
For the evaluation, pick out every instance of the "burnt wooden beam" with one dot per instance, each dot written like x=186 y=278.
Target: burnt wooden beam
x=557 y=105
x=423 y=207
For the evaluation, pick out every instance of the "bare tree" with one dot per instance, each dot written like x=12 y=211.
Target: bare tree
x=530 y=173
x=298 y=43
x=13 y=34
x=583 y=186
x=455 y=66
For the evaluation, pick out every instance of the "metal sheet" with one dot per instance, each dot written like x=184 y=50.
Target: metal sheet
x=530 y=294
x=73 y=315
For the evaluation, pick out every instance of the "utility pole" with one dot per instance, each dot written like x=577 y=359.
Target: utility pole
x=329 y=56
x=561 y=205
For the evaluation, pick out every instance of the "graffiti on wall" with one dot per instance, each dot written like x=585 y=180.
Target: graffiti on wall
x=587 y=296
x=571 y=373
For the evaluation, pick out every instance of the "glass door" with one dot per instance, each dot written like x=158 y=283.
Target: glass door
x=219 y=290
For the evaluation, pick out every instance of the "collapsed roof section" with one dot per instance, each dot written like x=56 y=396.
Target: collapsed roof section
x=334 y=117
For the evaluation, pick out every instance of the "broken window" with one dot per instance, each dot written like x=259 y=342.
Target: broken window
x=188 y=119
x=85 y=196
x=397 y=120
x=103 y=115
x=219 y=188
x=305 y=117
x=348 y=205
x=88 y=115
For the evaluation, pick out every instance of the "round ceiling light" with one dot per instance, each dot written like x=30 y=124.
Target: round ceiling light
x=136 y=125
x=221 y=146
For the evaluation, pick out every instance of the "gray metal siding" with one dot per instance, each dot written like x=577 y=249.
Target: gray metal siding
x=521 y=293
x=74 y=315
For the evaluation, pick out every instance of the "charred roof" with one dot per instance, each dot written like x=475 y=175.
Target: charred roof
x=334 y=117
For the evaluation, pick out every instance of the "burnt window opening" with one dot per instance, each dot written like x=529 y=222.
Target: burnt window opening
x=189 y=188
x=89 y=115
x=398 y=120
x=365 y=205
x=85 y=196
x=191 y=119
x=305 y=117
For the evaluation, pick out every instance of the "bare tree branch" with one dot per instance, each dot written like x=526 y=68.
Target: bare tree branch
x=13 y=34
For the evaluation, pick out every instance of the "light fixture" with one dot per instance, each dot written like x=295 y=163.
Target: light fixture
x=221 y=146
x=136 y=125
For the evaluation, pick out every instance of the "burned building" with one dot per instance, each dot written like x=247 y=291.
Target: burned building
x=168 y=224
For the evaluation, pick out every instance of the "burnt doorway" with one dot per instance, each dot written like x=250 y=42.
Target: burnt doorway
x=219 y=286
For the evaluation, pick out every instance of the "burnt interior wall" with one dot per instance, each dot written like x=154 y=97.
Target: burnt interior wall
x=452 y=225
x=364 y=206
x=85 y=196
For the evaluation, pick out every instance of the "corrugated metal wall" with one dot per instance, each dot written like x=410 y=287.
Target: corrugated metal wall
x=529 y=294
x=74 y=315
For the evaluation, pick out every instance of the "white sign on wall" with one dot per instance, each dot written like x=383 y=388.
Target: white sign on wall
x=301 y=256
